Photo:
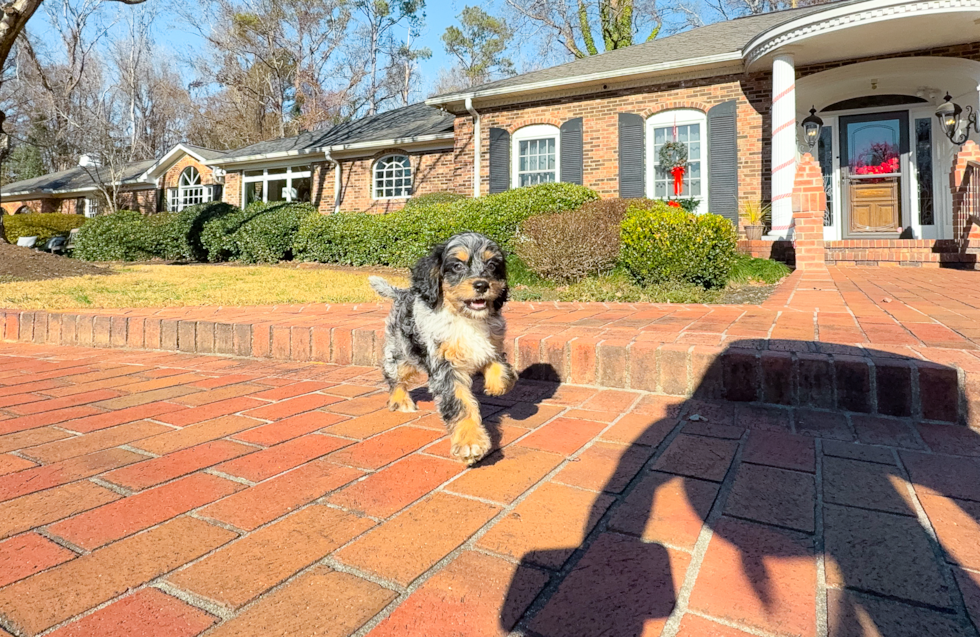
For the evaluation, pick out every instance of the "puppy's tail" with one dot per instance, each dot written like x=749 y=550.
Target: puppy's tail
x=384 y=288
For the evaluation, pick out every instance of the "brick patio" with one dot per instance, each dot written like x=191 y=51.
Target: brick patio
x=183 y=494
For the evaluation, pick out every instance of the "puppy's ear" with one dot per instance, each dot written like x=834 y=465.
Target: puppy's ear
x=427 y=277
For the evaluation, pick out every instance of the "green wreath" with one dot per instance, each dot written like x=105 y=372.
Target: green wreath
x=672 y=155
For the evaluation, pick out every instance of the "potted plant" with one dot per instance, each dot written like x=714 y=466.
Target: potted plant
x=754 y=213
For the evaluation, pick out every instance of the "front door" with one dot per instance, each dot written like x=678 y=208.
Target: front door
x=874 y=166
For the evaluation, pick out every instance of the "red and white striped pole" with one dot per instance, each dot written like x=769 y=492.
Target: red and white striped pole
x=783 y=116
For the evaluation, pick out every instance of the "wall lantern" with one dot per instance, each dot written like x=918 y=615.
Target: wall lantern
x=955 y=125
x=811 y=128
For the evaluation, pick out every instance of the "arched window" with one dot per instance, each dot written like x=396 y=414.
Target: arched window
x=23 y=210
x=689 y=127
x=536 y=155
x=189 y=191
x=393 y=177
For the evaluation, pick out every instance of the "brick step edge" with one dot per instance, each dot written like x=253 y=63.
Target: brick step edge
x=885 y=386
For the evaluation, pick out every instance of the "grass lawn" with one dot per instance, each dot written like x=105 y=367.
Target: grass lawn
x=189 y=285
x=151 y=285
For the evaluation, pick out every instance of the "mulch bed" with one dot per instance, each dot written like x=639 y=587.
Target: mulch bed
x=27 y=264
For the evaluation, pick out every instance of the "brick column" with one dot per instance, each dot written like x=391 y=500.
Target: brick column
x=963 y=180
x=809 y=203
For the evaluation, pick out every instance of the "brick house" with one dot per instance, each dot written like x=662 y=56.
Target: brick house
x=735 y=93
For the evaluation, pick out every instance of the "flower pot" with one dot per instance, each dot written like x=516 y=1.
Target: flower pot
x=754 y=233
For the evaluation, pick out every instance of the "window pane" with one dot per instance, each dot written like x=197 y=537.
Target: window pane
x=277 y=171
x=302 y=189
x=825 y=150
x=277 y=190
x=393 y=177
x=253 y=173
x=923 y=170
x=253 y=192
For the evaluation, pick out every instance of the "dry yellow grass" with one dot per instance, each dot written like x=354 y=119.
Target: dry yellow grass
x=189 y=285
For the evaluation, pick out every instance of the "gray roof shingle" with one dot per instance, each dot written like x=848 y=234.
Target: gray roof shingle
x=713 y=39
x=76 y=178
x=415 y=120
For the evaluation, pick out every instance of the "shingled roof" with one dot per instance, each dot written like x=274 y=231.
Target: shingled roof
x=416 y=120
x=76 y=178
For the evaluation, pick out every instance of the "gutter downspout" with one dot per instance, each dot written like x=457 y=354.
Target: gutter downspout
x=477 y=143
x=336 y=179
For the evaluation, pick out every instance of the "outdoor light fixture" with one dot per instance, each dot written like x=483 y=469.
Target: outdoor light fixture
x=955 y=125
x=811 y=128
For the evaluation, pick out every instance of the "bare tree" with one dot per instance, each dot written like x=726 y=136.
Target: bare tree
x=573 y=22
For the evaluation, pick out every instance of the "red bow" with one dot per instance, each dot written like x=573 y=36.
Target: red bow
x=678 y=173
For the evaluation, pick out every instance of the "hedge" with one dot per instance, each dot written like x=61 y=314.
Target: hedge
x=42 y=226
x=400 y=238
x=433 y=198
x=131 y=236
x=261 y=233
x=121 y=236
x=667 y=244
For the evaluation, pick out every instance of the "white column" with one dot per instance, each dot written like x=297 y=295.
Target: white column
x=783 y=121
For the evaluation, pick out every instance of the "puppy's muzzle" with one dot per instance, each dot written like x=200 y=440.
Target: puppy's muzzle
x=481 y=287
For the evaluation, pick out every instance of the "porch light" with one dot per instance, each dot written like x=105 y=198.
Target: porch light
x=811 y=128
x=951 y=117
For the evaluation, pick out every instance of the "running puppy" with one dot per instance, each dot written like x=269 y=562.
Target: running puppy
x=448 y=324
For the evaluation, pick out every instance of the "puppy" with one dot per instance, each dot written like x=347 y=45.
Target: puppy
x=448 y=324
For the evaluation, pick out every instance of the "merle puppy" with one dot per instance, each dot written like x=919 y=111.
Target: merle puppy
x=448 y=324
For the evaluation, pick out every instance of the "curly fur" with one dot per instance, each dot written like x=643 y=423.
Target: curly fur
x=449 y=325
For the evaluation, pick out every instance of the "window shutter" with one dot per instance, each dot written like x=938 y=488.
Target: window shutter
x=631 y=159
x=723 y=161
x=571 y=151
x=499 y=160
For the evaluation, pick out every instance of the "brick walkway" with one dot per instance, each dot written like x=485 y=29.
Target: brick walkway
x=183 y=494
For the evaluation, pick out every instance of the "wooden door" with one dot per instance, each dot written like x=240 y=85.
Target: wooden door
x=875 y=207
x=874 y=160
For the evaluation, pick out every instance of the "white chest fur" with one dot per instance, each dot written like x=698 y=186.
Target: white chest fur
x=466 y=342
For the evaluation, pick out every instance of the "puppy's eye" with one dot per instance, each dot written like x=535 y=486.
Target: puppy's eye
x=491 y=268
x=458 y=266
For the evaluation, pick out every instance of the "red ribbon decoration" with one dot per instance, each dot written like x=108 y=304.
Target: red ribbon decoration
x=678 y=173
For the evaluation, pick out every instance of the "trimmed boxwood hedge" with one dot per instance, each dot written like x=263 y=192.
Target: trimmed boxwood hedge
x=661 y=244
x=400 y=238
x=128 y=235
x=261 y=233
x=43 y=226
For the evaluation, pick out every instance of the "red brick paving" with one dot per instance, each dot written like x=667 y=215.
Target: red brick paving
x=603 y=512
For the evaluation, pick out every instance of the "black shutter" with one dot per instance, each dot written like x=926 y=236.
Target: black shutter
x=571 y=151
x=499 y=160
x=723 y=161
x=631 y=160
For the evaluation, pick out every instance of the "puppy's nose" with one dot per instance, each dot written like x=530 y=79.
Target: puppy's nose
x=481 y=287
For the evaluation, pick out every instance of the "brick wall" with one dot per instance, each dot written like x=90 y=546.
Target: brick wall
x=143 y=200
x=171 y=179
x=232 y=192
x=431 y=172
x=809 y=203
x=600 y=112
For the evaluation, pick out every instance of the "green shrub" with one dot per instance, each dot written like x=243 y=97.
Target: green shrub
x=181 y=231
x=121 y=236
x=569 y=246
x=261 y=233
x=748 y=269
x=432 y=198
x=667 y=244
x=402 y=237
x=42 y=226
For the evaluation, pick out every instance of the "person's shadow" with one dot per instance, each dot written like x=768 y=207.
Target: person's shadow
x=802 y=509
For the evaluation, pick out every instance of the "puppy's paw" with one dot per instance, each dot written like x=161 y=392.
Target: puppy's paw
x=399 y=400
x=499 y=377
x=469 y=442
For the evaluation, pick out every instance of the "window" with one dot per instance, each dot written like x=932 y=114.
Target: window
x=189 y=191
x=535 y=155
x=288 y=183
x=825 y=157
x=393 y=177
x=923 y=170
x=686 y=126
x=91 y=207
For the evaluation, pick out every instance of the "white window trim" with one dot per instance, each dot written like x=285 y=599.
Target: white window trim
x=534 y=131
x=680 y=117
x=374 y=177
x=91 y=207
x=292 y=172
x=190 y=191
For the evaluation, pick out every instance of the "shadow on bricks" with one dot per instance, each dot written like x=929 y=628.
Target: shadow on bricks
x=766 y=516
